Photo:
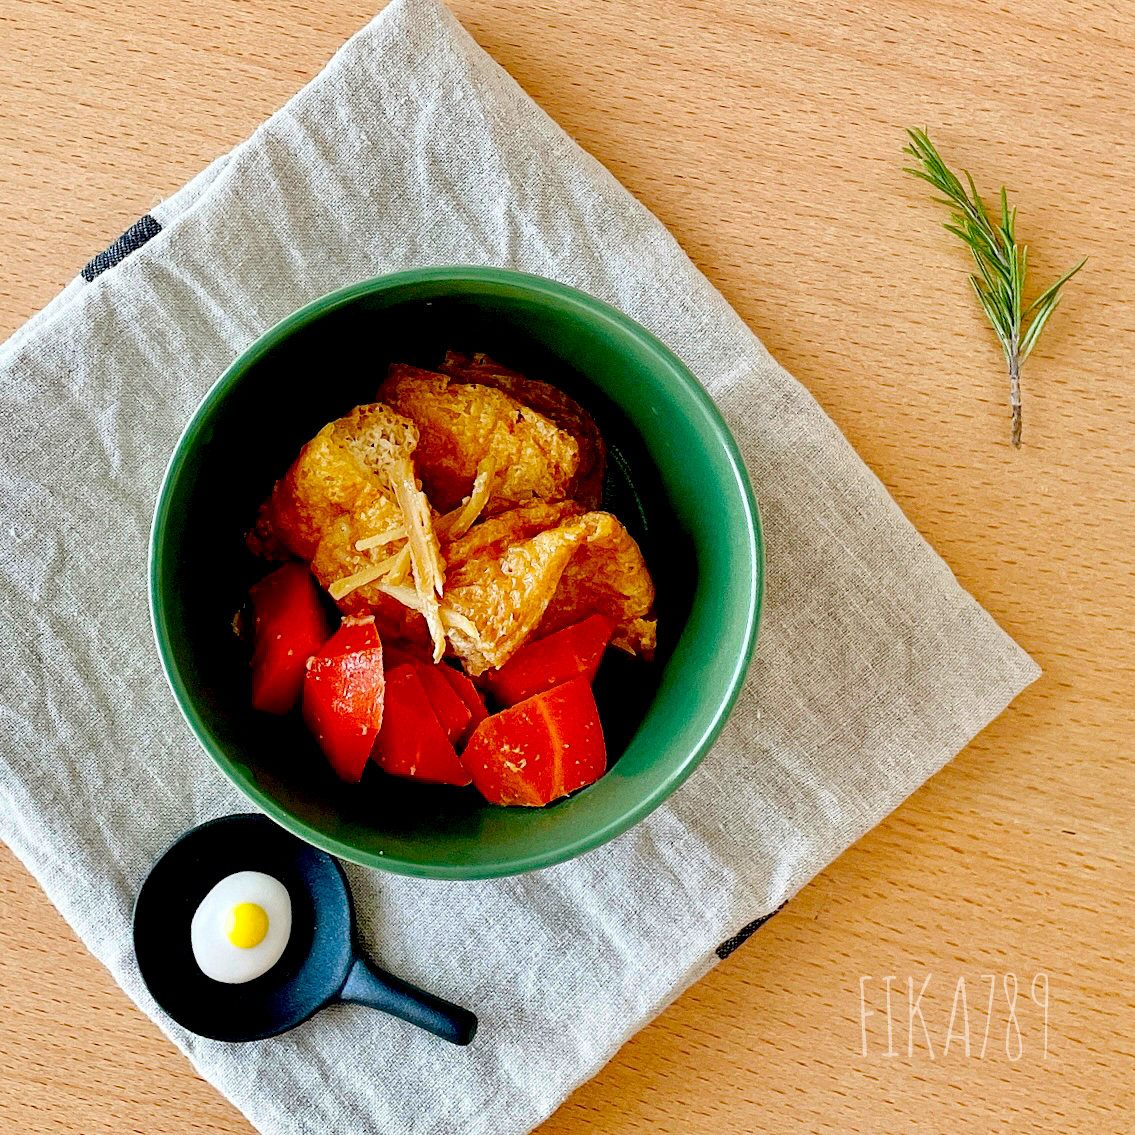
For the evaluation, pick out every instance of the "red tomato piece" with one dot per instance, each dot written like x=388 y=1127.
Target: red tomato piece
x=343 y=694
x=289 y=626
x=548 y=662
x=467 y=692
x=540 y=749
x=412 y=742
x=452 y=713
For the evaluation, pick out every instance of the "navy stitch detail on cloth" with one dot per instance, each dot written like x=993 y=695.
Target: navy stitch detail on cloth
x=744 y=934
x=130 y=241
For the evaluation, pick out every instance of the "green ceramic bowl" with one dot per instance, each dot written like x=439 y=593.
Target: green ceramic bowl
x=675 y=479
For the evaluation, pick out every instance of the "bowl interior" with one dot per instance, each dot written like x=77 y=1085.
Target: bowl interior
x=675 y=480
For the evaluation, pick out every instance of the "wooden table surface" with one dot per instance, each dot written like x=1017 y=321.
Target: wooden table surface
x=767 y=137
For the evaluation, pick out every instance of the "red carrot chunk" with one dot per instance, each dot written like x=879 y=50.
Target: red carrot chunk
x=289 y=626
x=343 y=696
x=452 y=713
x=540 y=749
x=412 y=742
x=573 y=652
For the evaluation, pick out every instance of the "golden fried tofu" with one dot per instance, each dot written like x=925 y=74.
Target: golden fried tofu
x=469 y=430
x=332 y=476
x=607 y=576
x=493 y=537
x=514 y=454
x=343 y=568
x=505 y=578
x=495 y=600
x=587 y=484
x=351 y=506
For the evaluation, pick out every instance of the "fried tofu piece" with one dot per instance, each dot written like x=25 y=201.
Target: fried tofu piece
x=330 y=477
x=587 y=484
x=506 y=576
x=493 y=537
x=467 y=430
x=607 y=576
x=343 y=568
x=350 y=505
x=499 y=591
x=339 y=566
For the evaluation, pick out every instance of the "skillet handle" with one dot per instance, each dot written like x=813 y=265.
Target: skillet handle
x=369 y=985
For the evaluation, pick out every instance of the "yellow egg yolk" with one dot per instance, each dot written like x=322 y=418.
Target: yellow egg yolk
x=246 y=925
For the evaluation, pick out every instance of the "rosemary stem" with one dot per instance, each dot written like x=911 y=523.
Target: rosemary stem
x=1015 y=397
x=999 y=281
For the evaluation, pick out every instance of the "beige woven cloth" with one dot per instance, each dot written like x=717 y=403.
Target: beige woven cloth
x=873 y=668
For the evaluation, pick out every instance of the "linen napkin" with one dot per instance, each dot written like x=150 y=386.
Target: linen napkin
x=873 y=668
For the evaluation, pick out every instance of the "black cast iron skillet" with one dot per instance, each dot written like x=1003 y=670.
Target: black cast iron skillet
x=321 y=963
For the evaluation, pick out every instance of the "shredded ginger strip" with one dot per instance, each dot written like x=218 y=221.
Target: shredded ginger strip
x=453 y=525
x=429 y=578
x=343 y=587
x=381 y=539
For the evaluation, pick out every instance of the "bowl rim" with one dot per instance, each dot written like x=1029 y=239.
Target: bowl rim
x=536 y=287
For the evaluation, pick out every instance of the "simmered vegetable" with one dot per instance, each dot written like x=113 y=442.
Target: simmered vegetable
x=343 y=695
x=548 y=662
x=289 y=626
x=412 y=742
x=467 y=692
x=452 y=713
x=539 y=749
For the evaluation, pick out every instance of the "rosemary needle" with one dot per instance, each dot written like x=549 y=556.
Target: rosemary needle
x=1002 y=264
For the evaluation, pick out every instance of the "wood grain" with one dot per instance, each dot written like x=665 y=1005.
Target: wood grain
x=767 y=137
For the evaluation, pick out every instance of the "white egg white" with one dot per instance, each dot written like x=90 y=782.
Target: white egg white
x=212 y=950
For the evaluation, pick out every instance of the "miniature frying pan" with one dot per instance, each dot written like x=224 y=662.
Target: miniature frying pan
x=321 y=963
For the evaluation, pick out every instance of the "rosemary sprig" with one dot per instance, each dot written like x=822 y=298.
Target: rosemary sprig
x=1002 y=264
